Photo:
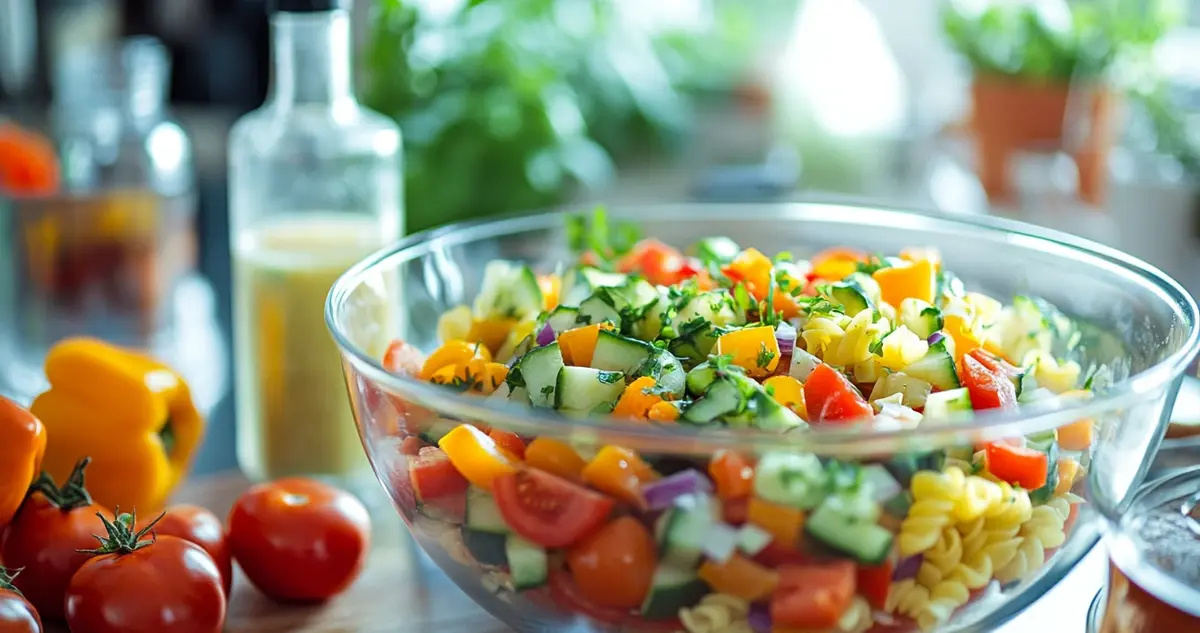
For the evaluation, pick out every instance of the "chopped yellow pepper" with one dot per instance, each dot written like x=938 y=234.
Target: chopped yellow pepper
x=786 y=390
x=784 y=524
x=131 y=414
x=554 y=457
x=664 y=412
x=619 y=472
x=551 y=285
x=917 y=280
x=755 y=349
x=453 y=352
x=476 y=456
x=959 y=330
x=635 y=402
x=578 y=344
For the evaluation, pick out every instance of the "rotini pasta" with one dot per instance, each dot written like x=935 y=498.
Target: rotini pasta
x=934 y=498
x=855 y=346
x=858 y=618
x=907 y=597
x=822 y=334
x=717 y=613
x=1043 y=530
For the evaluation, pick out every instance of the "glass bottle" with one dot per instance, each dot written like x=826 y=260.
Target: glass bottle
x=314 y=185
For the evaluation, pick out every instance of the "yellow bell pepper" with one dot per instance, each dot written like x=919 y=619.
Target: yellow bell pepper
x=664 y=412
x=551 y=286
x=453 y=352
x=554 y=457
x=492 y=333
x=476 y=456
x=917 y=280
x=619 y=472
x=131 y=414
x=755 y=349
x=959 y=330
x=578 y=344
x=635 y=402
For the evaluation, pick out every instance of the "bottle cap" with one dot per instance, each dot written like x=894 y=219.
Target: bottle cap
x=306 y=6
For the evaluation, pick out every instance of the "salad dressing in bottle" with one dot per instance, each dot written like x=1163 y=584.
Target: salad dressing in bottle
x=315 y=185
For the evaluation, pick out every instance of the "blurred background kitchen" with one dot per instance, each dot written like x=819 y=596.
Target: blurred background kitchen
x=114 y=118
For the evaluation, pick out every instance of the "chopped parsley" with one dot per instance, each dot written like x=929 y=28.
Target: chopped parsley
x=594 y=235
x=765 y=356
x=873 y=264
x=608 y=377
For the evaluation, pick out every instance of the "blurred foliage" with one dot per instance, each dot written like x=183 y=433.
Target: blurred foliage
x=510 y=104
x=1170 y=131
x=1053 y=40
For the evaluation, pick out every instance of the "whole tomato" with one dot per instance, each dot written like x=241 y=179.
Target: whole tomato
x=299 y=540
x=45 y=536
x=138 y=585
x=16 y=614
x=200 y=526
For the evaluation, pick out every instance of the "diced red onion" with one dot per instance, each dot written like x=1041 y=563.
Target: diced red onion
x=663 y=493
x=908 y=567
x=785 y=335
x=935 y=337
x=720 y=542
x=759 y=618
x=546 y=336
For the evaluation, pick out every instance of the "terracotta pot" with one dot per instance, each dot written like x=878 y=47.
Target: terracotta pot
x=1010 y=116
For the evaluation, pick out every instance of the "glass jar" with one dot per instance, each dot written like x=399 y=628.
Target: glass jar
x=103 y=254
x=315 y=184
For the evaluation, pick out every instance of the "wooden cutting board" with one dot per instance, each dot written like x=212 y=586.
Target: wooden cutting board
x=400 y=591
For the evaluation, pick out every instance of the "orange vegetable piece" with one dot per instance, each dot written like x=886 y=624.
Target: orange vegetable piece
x=635 y=402
x=739 y=577
x=1068 y=472
x=477 y=456
x=664 y=412
x=578 y=344
x=1076 y=436
x=755 y=349
x=551 y=285
x=782 y=523
x=555 y=457
x=28 y=163
x=897 y=283
x=619 y=472
x=733 y=475
x=957 y=328
x=492 y=333
x=836 y=263
x=755 y=269
x=453 y=352
x=930 y=254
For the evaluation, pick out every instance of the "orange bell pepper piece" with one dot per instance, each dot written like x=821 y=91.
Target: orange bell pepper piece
x=476 y=456
x=836 y=263
x=555 y=457
x=1076 y=436
x=635 y=402
x=492 y=333
x=578 y=344
x=916 y=280
x=739 y=577
x=755 y=269
x=663 y=412
x=619 y=472
x=782 y=523
x=551 y=286
x=755 y=349
x=22 y=446
x=733 y=475
x=957 y=328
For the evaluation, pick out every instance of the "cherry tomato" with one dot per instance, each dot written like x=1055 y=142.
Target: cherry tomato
x=44 y=537
x=16 y=614
x=548 y=510
x=200 y=526
x=813 y=596
x=989 y=389
x=166 y=586
x=565 y=593
x=299 y=540
x=614 y=567
x=830 y=397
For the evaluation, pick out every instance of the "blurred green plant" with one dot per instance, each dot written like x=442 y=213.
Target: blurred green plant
x=511 y=104
x=1053 y=40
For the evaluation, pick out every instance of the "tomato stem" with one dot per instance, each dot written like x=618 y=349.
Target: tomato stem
x=71 y=495
x=121 y=538
x=6 y=580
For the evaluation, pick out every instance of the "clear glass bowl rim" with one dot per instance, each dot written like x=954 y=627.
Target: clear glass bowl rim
x=824 y=440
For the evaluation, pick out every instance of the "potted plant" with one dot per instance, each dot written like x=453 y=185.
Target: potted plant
x=1032 y=60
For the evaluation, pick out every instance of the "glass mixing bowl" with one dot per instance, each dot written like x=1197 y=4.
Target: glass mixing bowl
x=1132 y=319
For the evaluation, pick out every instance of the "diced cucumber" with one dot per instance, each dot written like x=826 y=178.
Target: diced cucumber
x=954 y=404
x=790 y=479
x=672 y=589
x=868 y=542
x=722 y=397
x=753 y=539
x=487 y=548
x=715 y=307
x=482 y=513
x=898 y=505
x=772 y=416
x=539 y=368
x=695 y=341
x=583 y=389
x=1026 y=384
x=509 y=291
x=1046 y=492
x=578 y=283
x=637 y=294
x=935 y=368
x=720 y=250
x=600 y=307
x=618 y=353
x=903 y=466
x=563 y=318
x=803 y=364
x=857 y=506
x=666 y=371
x=700 y=377
x=920 y=317
x=683 y=529
x=527 y=563
x=435 y=430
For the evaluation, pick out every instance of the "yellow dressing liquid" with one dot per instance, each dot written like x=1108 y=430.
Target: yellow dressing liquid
x=293 y=413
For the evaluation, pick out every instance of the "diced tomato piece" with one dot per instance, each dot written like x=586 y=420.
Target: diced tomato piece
x=988 y=389
x=1017 y=465
x=411 y=446
x=994 y=363
x=733 y=475
x=657 y=262
x=404 y=359
x=874 y=581
x=549 y=510
x=509 y=441
x=830 y=397
x=813 y=596
x=565 y=594
x=433 y=475
x=735 y=511
x=777 y=554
